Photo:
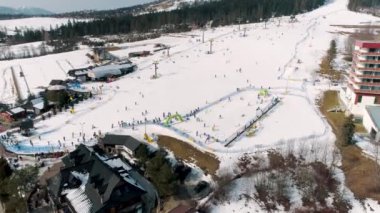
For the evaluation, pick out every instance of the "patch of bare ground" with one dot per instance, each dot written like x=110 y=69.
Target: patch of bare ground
x=184 y=151
x=361 y=173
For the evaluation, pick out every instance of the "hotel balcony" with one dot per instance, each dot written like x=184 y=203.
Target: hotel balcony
x=364 y=91
x=357 y=75
x=366 y=53
x=357 y=61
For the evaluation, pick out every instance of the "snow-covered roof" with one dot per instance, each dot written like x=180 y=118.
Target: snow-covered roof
x=16 y=110
x=56 y=87
x=77 y=197
x=100 y=72
x=38 y=103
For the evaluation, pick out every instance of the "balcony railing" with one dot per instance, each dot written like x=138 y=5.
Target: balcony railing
x=366 y=53
x=367 y=69
x=356 y=60
x=363 y=91
x=365 y=76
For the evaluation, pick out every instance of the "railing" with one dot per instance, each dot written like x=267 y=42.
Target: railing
x=368 y=69
x=367 y=53
x=365 y=76
x=248 y=125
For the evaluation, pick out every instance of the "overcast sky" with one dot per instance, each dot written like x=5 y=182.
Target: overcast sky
x=72 y=5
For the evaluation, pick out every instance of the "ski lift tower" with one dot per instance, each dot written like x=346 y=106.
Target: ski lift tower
x=155 y=63
x=211 y=41
x=239 y=21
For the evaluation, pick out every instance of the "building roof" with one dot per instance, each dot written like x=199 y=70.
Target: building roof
x=57 y=82
x=27 y=124
x=112 y=69
x=56 y=87
x=16 y=110
x=368 y=44
x=374 y=113
x=98 y=180
x=122 y=140
x=181 y=208
x=38 y=103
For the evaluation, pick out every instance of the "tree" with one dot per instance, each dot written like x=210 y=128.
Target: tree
x=142 y=154
x=14 y=188
x=348 y=130
x=162 y=175
x=5 y=170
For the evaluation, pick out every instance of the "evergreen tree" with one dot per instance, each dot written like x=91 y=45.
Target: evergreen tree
x=348 y=130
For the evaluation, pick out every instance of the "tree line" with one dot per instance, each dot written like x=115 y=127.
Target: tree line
x=223 y=12
x=357 y=5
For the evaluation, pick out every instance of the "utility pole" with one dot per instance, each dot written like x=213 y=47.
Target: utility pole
x=155 y=68
x=239 y=20
x=168 y=51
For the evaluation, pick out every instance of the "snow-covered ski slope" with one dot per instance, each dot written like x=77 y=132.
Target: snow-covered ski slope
x=283 y=58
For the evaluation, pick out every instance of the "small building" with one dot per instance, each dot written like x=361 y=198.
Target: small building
x=124 y=145
x=56 y=82
x=371 y=121
x=92 y=182
x=17 y=113
x=111 y=71
x=104 y=72
x=57 y=95
x=36 y=105
x=80 y=74
x=102 y=54
x=25 y=126
x=139 y=54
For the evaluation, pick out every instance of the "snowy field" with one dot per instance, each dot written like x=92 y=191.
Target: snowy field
x=38 y=72
x=282 y=57
x=23 y=50
x=31 y=23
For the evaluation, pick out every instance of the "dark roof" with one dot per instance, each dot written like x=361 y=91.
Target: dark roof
x=27 y=124
x=57 y=82
x=108 y=182
x=123 y=140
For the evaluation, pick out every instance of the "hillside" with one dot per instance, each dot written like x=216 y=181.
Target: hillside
x=26 y=11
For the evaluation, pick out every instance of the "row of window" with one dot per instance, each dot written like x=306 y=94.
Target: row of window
x=370 y=88
x=372 y=65
x=371 y=73
x=366 y=80
x=374 y=50
x=372 y=58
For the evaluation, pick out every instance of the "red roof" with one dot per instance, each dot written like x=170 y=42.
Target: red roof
x=368 y=44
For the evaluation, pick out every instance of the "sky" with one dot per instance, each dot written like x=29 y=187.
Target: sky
x=72 y=5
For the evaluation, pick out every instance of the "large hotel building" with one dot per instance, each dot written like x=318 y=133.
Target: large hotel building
x=363 y=87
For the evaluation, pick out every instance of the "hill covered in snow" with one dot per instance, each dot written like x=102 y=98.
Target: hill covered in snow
x=27 y=11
